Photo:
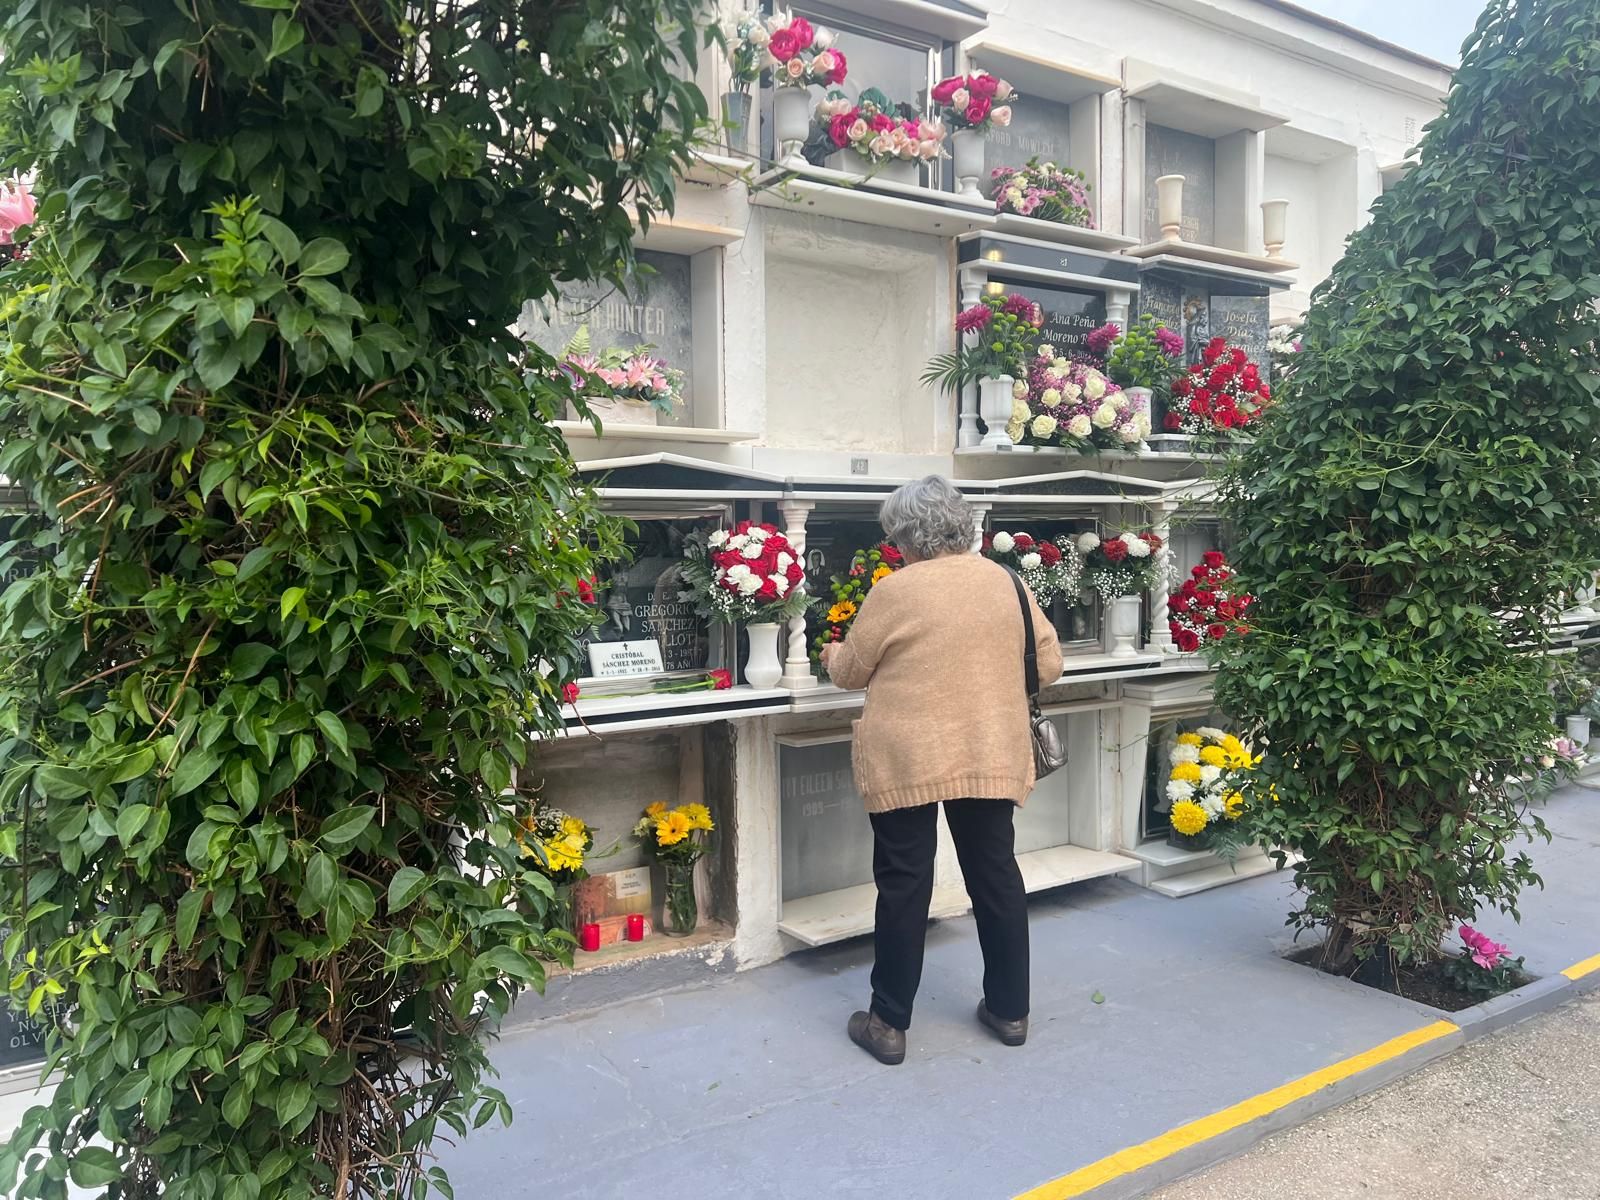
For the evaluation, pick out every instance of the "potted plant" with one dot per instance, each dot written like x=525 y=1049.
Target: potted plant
x=868 y=568
x=1140 y=360
x=1206 y=609
x=1121 y=569
x=750 y=575
x=1206 y=784
x=799 y=56
x=1042 y=191
x=1220 y=396
x=1575 y=699
x=676 y=839
x=1068 y=402
x=877 y=137
x=747 y=59
x=622 y=387
x=971 y=104
x=1003 y=330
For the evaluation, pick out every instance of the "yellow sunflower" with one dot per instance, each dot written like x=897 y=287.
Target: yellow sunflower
x=1186 y=772
x=882 y=572
x=841 y=612
x=699 y=816
x=671 y=828
x=1188 y=818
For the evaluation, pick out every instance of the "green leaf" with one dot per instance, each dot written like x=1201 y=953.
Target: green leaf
x=94 y=1167
x=189 y=916
x=323 y=256
x=321 y=872
x=291 y=598
x=248 y=659
x=60 y=783
x=243 y=784
x=130 y=821
x=286 y=35
x=346 y=825
x=408 y=883
x=194 y=768
x=370 y=83
x=236 y=1104
x=134 y=766
x=213 y=473
x=333 y=729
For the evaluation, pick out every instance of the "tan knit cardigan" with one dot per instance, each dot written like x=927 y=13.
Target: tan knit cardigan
x=938 y=645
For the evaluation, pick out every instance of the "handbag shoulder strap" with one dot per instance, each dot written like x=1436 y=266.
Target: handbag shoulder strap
x=1030 y=648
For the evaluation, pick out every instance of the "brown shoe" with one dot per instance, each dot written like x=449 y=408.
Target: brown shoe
x=884 y=1042
x=1011 y=1033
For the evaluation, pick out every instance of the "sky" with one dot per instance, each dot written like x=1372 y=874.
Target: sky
x=1432 y=27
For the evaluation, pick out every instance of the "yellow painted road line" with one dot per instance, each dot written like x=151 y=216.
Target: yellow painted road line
x=1135 y=1158
x=1587 y=967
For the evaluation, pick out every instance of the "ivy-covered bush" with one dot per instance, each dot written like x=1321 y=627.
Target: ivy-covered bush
x=309 y=572
x=1421 y=494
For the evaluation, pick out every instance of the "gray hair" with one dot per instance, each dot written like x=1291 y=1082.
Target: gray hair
x=928 y=518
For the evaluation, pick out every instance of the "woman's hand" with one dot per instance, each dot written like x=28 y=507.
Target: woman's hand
x=828 y=652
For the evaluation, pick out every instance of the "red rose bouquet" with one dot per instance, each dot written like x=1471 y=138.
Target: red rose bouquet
x=868 y=568
x=1122 y=565
x=1222 y=392
x=1206 y=609
x=797 y=53
x=975 y=101
x=749 y=573
x=1052 y=570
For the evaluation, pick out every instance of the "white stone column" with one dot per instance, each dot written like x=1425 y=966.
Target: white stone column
x=797 y=663
x=967 y=434
x=980 y=514
x=1118 y=305
x=1161 y=526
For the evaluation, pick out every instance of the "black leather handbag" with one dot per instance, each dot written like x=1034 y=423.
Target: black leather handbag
x=1049 y=753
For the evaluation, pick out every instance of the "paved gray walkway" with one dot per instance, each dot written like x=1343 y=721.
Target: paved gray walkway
x=748 y=1086
x=1509 y=1116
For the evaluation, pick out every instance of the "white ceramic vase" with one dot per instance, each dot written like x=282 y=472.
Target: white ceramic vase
x=791 y=124
x=612 y=411
x=1122 y=627
x=1169 y=206
x=894 y=170
x=966 y=152
x=762 y=667
x=1141 y=396
x=1578 y=730
x=994 y=406
x=1274 y=226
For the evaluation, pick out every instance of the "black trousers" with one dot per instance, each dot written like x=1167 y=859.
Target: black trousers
x=904 y=842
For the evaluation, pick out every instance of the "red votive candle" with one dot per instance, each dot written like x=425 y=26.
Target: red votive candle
x=636 y=927
x=589 y=937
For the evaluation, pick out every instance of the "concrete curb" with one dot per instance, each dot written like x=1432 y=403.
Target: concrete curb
x=1514 y=1007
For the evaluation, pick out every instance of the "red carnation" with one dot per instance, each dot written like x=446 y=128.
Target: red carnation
x=586 y=590
x=1210 y=354
x=1115 y=549
x=769 y=590
x=1181 y=386
x=785 y=44
x=801 y=28
x=1179 y=602
x=978 y=110
x=946 y=88
x=1024 y=542
x=1216 y=632
x=1227 y=609
x=1154 y=541
x=840 y=68
x=982 y=84
x=1205 y=598
x=1199 y=407
x=1049 y=553
x=569 y=692
x=1239 y=357
x=721 y=679
x=1173 y=421
x=1212 y=559
x=1265 y=393
x=795 y=573
x=1188 y=641
x=1189 y=585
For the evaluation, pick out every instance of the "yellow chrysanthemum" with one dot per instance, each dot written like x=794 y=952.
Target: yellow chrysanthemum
x=1188 y=817
x=699 y=816
x=671 y=828
x=1213 y=756
x=1186 y=772
x=882 y=572
x=573 y=827
x=1237 y=760
x=656 y=809
x=841 y=612
x=561 y=855
x=1233 y=805
x=1190 y=739
x=1231 y=742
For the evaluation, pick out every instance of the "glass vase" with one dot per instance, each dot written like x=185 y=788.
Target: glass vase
x=680 y=912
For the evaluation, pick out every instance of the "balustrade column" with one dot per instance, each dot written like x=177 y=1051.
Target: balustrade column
x=1161 y=526
x=967 y=434
x=797 y=662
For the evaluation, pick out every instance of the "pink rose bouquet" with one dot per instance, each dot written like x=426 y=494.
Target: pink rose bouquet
x=874 y=130
x=975 y=101
x=1043 y=191
x=797 y=53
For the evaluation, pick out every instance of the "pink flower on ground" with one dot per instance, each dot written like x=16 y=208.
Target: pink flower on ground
x=1484 y=951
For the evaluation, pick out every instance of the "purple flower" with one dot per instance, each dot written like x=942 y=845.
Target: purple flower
x=1171 y=343
x=975 y=318
x=1100 y=340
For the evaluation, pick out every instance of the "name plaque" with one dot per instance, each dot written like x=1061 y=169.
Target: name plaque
x=1039 y=129
x=1173 y=152
x=825 y=837
x=611 y=660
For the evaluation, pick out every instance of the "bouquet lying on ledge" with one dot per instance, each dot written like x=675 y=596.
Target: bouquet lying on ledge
x=868 y=568
x=718 y=680
x=1044 y=192
x=1222 y=392
x=749 y=574
x=632 y=375
x=1052 y=570
x=879 y=130
x=1066 y=402
x=556 y=842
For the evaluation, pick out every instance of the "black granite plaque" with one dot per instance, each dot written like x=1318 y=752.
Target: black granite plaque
x=1244 y=321
x=640 y=600
x=1070 y=316
x=1172 y=152
x=22 y=1037
x=655 y=310
x=1163 y=299
x=1039 y=129
x=825 y=836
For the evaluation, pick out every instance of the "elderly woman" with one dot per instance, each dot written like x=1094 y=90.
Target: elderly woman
x=939 y=647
